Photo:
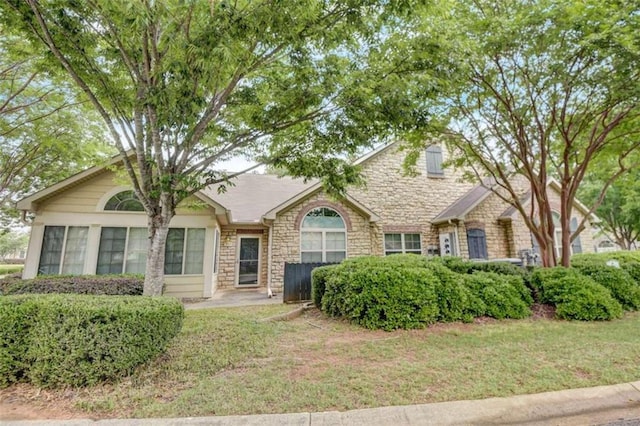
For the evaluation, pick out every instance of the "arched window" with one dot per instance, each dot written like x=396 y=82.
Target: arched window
x=477 y=242
x=323 y=237
x=125 y=201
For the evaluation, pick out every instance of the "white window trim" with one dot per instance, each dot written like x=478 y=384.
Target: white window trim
x=64 y=246
x=184 y=253
x=323 y=241
x=402 y=239
x=108 y=195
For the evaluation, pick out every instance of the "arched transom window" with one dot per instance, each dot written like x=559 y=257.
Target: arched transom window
x=323 y=237
x=125 y=201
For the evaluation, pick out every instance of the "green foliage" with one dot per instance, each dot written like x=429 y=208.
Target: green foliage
x=546 y=283
x=9 y=269
x=628 y=260
x=456 y=302
x=501 y=298
x=580 y=298
x=78 y=340
x=124 y=285
x=381 y=297
x=407 y=291
x=622 y=287
x=318 y=283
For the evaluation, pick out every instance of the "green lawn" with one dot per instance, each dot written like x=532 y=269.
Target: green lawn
x=10 y=269
x=225 y=362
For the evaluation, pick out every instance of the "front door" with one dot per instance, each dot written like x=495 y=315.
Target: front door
x=248 y=261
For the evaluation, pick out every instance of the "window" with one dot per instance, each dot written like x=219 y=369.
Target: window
x=323 y=237
x=402 y=243
x=125 y=250
x=477 y=242
x=125 y=201
x=576 y=245
x=434 y=160
x=63 y=250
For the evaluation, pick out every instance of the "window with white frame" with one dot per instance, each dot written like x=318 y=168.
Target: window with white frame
x=323 y=237
x=576 y=246
x=402 y=243
x=63 y=250
x=124 y=250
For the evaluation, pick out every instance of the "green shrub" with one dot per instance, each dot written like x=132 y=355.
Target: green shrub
x=77 y=340
x=457 y=264
x=584 y=299
x=16 y=316
x=622 y=287
x=455 y=301
x=318 y=285
x=10 y=269
x=545 y=283
x=502 y=299
x=125 y=285
x=381 y=297
x=628 y=260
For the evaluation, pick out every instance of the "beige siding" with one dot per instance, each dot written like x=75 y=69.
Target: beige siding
x=184 y=285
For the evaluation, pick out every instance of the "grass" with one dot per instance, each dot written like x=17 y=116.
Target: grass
x=10 y=269
x=225 y=362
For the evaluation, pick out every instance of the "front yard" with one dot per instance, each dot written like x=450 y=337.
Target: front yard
x=226 y=362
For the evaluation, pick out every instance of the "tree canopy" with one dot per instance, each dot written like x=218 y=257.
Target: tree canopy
x=542 y=88
x=184 y=85
x=46 y=133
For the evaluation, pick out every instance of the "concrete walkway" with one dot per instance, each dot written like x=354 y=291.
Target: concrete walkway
x=237 y=297
x=603 y=405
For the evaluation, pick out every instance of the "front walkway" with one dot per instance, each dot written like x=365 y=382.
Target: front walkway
x=227 y=298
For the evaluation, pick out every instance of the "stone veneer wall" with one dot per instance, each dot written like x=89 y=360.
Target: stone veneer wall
x=485 y=216
x=229 y=240
x=286 y=238
x=406 y=202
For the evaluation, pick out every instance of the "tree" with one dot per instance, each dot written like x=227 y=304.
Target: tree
x=619 y=211
x=46 y=134
x=183 y=85
x=11 y=242
x=544 y=88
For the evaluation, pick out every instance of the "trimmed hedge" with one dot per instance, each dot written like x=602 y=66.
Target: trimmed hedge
x=502 y=299
x=583 y=299
x=124 y=285
x=546 y=283
x=622 y=287
x=629 y=261
x=77 y=340
x=318 y=283
x=381 y=297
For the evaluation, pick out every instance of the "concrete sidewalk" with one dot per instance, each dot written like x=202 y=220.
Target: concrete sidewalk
x=603 y=405
x=237 y=297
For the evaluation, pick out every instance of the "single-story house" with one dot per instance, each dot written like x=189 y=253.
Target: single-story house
x=91 y=223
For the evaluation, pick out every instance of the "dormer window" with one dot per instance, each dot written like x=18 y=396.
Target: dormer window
x=434 y=160
x=125 y=201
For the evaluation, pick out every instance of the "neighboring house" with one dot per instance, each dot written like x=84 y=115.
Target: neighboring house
x=242 y=238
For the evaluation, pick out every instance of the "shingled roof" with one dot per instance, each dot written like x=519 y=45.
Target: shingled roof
x=463 y=205
x=252 y=195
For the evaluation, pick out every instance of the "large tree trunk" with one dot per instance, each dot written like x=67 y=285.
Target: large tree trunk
x=154 y=271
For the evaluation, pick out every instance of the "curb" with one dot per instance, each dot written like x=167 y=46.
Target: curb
x=289 y=315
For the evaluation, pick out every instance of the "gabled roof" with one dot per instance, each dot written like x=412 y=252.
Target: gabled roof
x=28 y=203
x=252 y=195
x=553 y=183
x=463 y=205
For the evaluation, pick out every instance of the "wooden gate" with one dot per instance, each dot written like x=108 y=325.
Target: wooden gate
x=297 y=281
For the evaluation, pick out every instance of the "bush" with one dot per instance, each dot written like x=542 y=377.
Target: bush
x=124 y=285
x=502 y=299
x=77 y=340
x=622 y=287
x=10 y=269
x=583 y=299
x=628 y=260
x=380 y=296
x=546 y=283
x=455 y=301
x=318 y=285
